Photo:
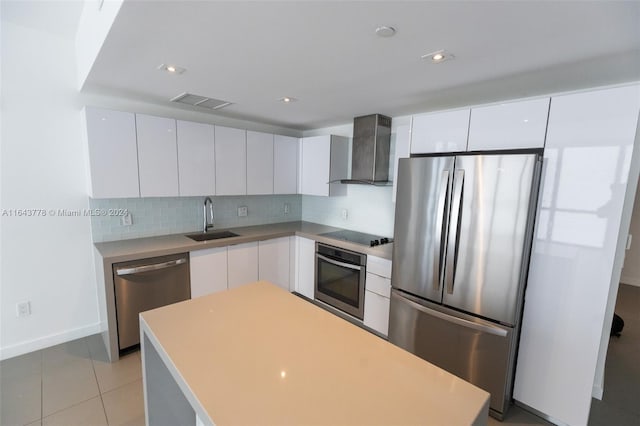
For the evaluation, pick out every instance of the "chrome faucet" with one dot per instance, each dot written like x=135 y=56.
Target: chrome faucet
x=206 y=223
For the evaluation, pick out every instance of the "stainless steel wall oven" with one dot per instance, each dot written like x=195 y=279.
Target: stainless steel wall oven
x=340 y=279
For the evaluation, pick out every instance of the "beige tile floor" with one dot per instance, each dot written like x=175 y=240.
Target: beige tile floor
x=74 y=384
x=71 y=384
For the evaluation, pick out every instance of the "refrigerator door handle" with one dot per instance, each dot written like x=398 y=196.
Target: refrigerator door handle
x=484 y=328
x=454 y=225
x=440 y=216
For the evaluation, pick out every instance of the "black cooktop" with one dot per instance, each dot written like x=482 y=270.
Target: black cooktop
x=358 y=238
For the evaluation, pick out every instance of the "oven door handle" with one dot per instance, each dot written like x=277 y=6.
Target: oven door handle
x=335 y=262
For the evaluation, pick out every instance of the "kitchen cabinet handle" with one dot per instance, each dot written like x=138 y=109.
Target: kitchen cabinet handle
x=454 y=226
x=441 y=212
x=485 y=328
x=342 y=264
x=147 y=268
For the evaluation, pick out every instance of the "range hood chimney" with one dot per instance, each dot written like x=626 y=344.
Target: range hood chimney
x=370 y=152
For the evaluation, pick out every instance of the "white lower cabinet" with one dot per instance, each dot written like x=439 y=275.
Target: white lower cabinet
x=273 y=261
x=208 y=271
x=242 y=264
x=376 y=312
x=377 y=294
x=305 y=266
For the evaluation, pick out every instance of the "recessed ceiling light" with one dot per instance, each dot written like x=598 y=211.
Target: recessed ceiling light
x=438 y=56
x=385 y=31
x=171 y=69
x=287 y=99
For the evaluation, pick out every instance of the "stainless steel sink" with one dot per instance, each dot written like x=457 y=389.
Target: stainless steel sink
x=202 y=236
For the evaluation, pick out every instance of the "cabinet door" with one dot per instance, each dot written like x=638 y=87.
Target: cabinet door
x=273 y=261
x=338 y=165
x=440 y=132
x=196 y=158
x=403 y=139
x=577 y=249
x=259 y=163
x=208 y=271
x=231 y=161
x=242 y=262
x=316 y=158
x=285 y=165
x=376 y=312
x=113 y=154
x=157 y=156
x=306 y=266
x=513 y=125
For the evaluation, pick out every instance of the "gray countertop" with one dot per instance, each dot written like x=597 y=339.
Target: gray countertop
x=125 y=250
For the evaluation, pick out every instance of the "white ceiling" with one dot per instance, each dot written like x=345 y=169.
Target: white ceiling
x=326 y=54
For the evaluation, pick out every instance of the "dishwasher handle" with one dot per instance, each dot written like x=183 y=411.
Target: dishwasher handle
x=147 y=268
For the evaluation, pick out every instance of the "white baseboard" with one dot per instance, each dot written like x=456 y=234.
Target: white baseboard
x=630 y=281
x=50 y=340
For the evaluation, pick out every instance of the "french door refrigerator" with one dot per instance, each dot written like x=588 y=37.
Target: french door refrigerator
x=463 y=232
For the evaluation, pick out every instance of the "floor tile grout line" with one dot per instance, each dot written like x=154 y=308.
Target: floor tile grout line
x=95 y=375
x=72 y=405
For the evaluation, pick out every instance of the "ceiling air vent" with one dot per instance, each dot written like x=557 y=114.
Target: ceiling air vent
x=201 y=101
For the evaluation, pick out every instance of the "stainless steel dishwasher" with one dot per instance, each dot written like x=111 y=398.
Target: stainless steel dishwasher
x=144 y=284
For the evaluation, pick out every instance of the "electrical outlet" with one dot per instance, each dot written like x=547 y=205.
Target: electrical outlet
x=23 y=309
x=243 y=211
x=345 y=214
x=286 y=208
x=126 y=220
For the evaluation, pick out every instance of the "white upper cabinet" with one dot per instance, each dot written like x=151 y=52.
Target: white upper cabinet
x=242 y=264
x=440 y=132
x=273 y=261
x=285 y=164
x=157 y=156
x=196 y=158
x=513 y=125
x=113 y=154
x=324 y=159
x=231 y=161
x=259 y=163
x=402 y=143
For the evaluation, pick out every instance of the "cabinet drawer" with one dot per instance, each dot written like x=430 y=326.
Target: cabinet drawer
x=378 y=284
x=376 y=312
x=379 y=266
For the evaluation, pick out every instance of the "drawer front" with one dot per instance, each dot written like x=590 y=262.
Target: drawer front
x=376 y=312
x=379 y=266
x=378 y=285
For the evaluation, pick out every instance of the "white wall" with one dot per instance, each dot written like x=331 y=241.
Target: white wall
x=49 y=260
x=631 y=269
x=45 y=260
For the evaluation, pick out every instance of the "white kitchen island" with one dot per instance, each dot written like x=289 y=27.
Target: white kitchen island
x=260 y=355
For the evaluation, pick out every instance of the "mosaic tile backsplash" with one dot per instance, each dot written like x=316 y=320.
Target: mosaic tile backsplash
x=173 y=215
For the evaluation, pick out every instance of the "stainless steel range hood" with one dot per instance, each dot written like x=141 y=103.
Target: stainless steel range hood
x=370 y=152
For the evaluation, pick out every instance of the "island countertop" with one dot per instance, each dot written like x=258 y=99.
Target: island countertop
x=260 y=355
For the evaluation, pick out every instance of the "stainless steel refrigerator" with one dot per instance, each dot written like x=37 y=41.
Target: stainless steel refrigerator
x=463 y=232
